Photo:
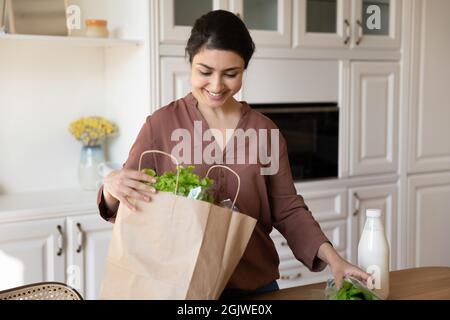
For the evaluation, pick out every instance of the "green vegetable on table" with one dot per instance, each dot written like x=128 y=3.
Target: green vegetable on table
x=351 y=290
x=187 y=181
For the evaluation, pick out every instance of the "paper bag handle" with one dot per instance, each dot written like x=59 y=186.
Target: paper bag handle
x=166 y=154
x=237 y=176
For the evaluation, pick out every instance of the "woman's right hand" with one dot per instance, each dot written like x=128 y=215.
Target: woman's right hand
x=125 y=184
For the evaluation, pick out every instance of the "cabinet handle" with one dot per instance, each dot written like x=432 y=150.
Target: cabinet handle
x=360 y=32
x=357 y=204
x=347 y=31
x=80 y=238
x=60 y=241
x=292 y=277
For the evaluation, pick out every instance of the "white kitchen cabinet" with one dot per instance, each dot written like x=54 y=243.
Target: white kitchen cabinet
x=175 y=79
x=53 y=236
x=291 y=81
x=429 y=220
x=347 y=24
x=326 y=205
x=322 y=23
x=383 y=197
x=292 y=271
x=387 y=33
x=88 y=238
x=329 y=208
x=269 y=21
x=71 y=250
x=429 y=121
x=178 y=16
x=32 y=251
x=374 y=118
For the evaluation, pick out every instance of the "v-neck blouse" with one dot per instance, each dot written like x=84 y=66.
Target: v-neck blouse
x=238 y=126
x=271 y=199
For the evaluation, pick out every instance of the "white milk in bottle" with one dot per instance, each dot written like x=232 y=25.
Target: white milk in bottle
x=373 y=253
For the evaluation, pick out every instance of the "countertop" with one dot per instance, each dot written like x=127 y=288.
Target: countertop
x=46 y=204
x=427 y=283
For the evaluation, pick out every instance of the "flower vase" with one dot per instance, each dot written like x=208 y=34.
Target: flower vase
x=88 y=174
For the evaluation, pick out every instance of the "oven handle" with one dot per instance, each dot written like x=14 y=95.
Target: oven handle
x=297 y=110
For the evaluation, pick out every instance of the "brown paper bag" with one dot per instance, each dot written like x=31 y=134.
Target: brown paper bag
x=174 y=248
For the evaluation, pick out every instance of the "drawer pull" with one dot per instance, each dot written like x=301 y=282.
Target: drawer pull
x=292 y=277
x=60 y=240
x=80 y=238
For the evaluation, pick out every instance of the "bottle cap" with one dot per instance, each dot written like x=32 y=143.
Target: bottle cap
x=373 y=213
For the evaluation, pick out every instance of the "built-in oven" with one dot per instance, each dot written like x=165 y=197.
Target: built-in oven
x=311 y=131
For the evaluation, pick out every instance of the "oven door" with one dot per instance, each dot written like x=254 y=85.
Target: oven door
x=312 y=136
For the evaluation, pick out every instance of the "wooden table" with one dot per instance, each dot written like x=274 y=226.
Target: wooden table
x=430 y=283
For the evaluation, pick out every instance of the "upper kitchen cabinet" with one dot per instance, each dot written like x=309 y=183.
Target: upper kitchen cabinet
x=178 y=16
x=322 y=23
x=347 y=24
x=374 y=118
x=377 y=23
x=269 y=21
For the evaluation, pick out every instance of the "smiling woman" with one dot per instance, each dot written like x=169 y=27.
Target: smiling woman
x=220 y=48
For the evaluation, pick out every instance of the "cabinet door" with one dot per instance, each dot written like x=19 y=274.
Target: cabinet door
x=327 y=205
x=178 y=17
x=374 y=109
x=383 y=197
x=429 y=220
x=88 y=245
x=269 y=21
x=322 y=23
x=429 y=129
x=175 y=79
x=31 y=251
x=377 y=23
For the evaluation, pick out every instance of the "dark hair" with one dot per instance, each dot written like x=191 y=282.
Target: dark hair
x=221 y=30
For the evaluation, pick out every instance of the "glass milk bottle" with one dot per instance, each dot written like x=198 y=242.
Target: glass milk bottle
x=373 y=253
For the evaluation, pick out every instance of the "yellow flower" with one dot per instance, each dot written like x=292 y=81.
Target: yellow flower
x=92 y=130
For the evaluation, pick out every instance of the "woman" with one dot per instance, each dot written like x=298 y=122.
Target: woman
x=220 y=48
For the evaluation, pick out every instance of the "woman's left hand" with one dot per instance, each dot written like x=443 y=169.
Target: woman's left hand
x=341 y=268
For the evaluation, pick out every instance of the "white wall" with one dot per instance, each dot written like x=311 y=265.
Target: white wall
x=42 y=89
x=45 y=86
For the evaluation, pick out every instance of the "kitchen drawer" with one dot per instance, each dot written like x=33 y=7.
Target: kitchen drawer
x=294 y=273
x=327 y=205
x=336 y=232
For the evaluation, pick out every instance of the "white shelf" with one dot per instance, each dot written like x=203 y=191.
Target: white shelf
x=77 y=41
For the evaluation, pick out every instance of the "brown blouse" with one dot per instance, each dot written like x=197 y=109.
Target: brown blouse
x=271 y=199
